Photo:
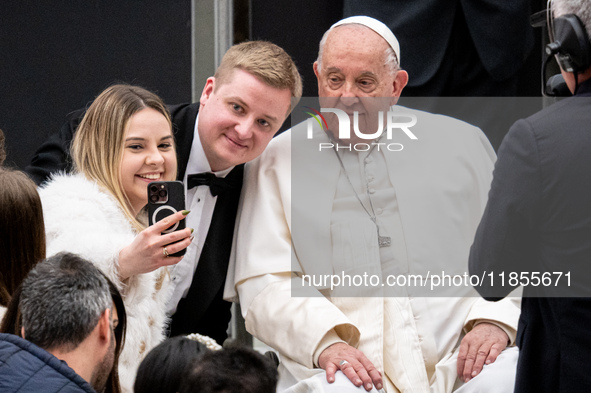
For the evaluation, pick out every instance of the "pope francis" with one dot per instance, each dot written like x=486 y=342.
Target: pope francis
x=318 y=205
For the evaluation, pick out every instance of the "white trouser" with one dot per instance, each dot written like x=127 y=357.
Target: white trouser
x=498 y=377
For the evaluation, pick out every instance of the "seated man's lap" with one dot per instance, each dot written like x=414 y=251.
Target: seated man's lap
x=319 y=384
x=497 y=377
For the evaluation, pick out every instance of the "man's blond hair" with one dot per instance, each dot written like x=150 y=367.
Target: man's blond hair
x=264 y=60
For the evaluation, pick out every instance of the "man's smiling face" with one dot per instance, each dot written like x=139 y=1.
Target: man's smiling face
x=238 y=118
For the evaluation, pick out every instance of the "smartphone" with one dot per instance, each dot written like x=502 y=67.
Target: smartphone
x=165 y=198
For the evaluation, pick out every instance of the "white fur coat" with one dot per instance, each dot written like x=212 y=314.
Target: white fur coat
x=82 y=219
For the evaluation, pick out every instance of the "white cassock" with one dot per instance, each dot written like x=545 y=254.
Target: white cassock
x=300 y=221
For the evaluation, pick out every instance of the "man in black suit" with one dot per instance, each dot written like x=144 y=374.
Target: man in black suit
x=240 y=110
x=456 y=47
x=536 y=229
x=459 y=48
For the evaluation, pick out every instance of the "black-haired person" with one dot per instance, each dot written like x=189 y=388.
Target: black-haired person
x=163 y=369
x=69 y=325
x=231 y=370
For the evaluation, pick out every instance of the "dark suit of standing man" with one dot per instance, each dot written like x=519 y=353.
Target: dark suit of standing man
x=240 y=110
x=537 y=227
x=459 y=48
x=456 y=47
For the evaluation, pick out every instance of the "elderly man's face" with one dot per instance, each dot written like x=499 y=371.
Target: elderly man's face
x=352 y=76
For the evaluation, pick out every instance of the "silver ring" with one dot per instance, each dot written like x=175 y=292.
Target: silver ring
x=342 y=363
x=165 y=252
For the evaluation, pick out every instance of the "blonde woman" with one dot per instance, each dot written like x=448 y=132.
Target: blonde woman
x=124 y=142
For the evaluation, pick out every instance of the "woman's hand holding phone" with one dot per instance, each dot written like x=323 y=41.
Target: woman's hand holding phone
x=151 y=249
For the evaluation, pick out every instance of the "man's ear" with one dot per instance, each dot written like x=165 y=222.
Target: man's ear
x=104 y=326
x=23 y=332
x=316 y=68
x=400 y=81
x=207 y=90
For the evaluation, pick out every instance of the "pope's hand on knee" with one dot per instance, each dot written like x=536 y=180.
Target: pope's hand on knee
x=353 y=363
x=480 y=346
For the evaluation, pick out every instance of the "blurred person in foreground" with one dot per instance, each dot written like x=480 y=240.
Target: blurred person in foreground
x=164 y=368
x=536 y=229
x=230 y=370
x=72 y=331
x=22 y=232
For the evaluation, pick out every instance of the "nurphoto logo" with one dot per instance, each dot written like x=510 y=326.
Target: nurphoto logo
x=394 y=121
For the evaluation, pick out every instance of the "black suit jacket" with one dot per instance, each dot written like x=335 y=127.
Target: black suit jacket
x=203 y=310
x=538 y=219
x=499 y=30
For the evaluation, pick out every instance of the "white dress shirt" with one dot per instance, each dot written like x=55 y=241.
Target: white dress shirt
x=201 y=204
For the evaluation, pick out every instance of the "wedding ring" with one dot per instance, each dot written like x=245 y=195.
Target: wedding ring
x=342 y=363
x=165 y=252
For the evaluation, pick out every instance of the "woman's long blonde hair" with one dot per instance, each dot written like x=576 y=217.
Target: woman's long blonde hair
x=97 y=148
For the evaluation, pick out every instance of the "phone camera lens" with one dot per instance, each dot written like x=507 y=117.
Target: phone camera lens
x=162 y=193
x=154 y=188
x=153 y=198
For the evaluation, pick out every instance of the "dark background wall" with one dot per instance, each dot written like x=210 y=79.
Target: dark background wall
x=297 y=27
x=56 y=56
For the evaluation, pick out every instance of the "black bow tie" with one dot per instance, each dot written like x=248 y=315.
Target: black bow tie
x=217 y=185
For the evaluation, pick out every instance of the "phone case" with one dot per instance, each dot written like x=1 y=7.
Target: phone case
x=164 y=199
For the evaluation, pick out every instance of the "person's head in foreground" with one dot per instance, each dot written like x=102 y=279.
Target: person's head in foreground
x=232 y=370
x=163 y=369
x=68 y=309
